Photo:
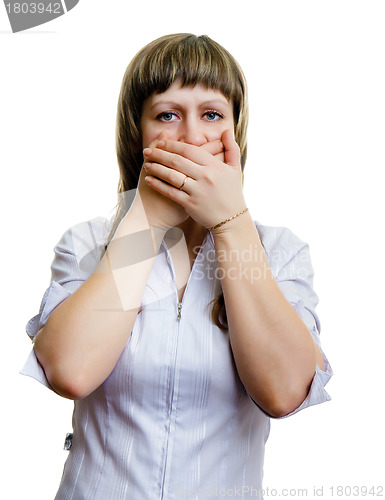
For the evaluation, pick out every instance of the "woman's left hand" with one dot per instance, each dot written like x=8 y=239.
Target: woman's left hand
x=212 y=190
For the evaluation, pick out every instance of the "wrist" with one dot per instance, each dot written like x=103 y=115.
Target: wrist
x=234 y=229
x=135 y=230
x=217 y=229
x=136 y=220
x=140 y=218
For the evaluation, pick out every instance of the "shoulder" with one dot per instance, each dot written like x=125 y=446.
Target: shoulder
x=281 y=245
x=274 y=237
x=82 y=245
x=86 y=233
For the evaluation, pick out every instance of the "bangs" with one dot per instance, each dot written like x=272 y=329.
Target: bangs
x=191 y=60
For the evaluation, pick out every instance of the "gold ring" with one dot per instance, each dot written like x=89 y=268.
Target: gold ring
x=183 y=183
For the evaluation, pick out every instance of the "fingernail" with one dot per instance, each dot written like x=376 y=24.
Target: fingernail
x=161 y=144
x=147 y=151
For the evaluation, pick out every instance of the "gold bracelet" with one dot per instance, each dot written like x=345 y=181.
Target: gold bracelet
x=227 y=220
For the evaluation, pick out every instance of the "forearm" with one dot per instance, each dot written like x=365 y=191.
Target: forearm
x=273 y=349
x=85 y=335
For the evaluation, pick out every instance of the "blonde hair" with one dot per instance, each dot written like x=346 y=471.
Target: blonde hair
x=191 y=60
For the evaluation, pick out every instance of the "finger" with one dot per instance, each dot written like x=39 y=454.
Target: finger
x=232 y=153
x=173 y=161
x=161 y=137
x=220 y=157
x=174 y=194
x=213 y=147
x=197 y=154
x=165 y=174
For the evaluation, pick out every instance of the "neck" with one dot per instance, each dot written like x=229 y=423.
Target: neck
x=194 y=233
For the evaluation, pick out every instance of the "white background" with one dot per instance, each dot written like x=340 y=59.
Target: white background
x=316 y=79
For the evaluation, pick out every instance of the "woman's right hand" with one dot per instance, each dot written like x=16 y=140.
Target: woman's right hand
x=159 y=210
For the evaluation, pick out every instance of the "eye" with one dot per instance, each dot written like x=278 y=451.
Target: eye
x=167 y=116
x=213 y=116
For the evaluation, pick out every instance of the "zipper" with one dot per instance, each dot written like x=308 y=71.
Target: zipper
x=169 y=416
x=178 y=317
x=179 y=311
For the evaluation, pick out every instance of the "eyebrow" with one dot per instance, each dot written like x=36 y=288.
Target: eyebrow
x=209 y=103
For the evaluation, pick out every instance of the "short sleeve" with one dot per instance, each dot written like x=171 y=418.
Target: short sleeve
x=76 y=256
x=290 y=261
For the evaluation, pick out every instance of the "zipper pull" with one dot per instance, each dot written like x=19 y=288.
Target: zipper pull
x=179 y=310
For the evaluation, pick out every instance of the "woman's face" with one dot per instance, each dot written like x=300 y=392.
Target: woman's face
x=194 y=115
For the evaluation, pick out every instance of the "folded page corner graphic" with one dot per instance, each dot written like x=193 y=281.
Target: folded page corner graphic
x=24 y=15
x=70 y=4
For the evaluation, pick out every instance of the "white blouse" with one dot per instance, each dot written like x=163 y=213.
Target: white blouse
x=173 y=419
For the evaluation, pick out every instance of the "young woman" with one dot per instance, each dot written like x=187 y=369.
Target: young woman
x=180 y=326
